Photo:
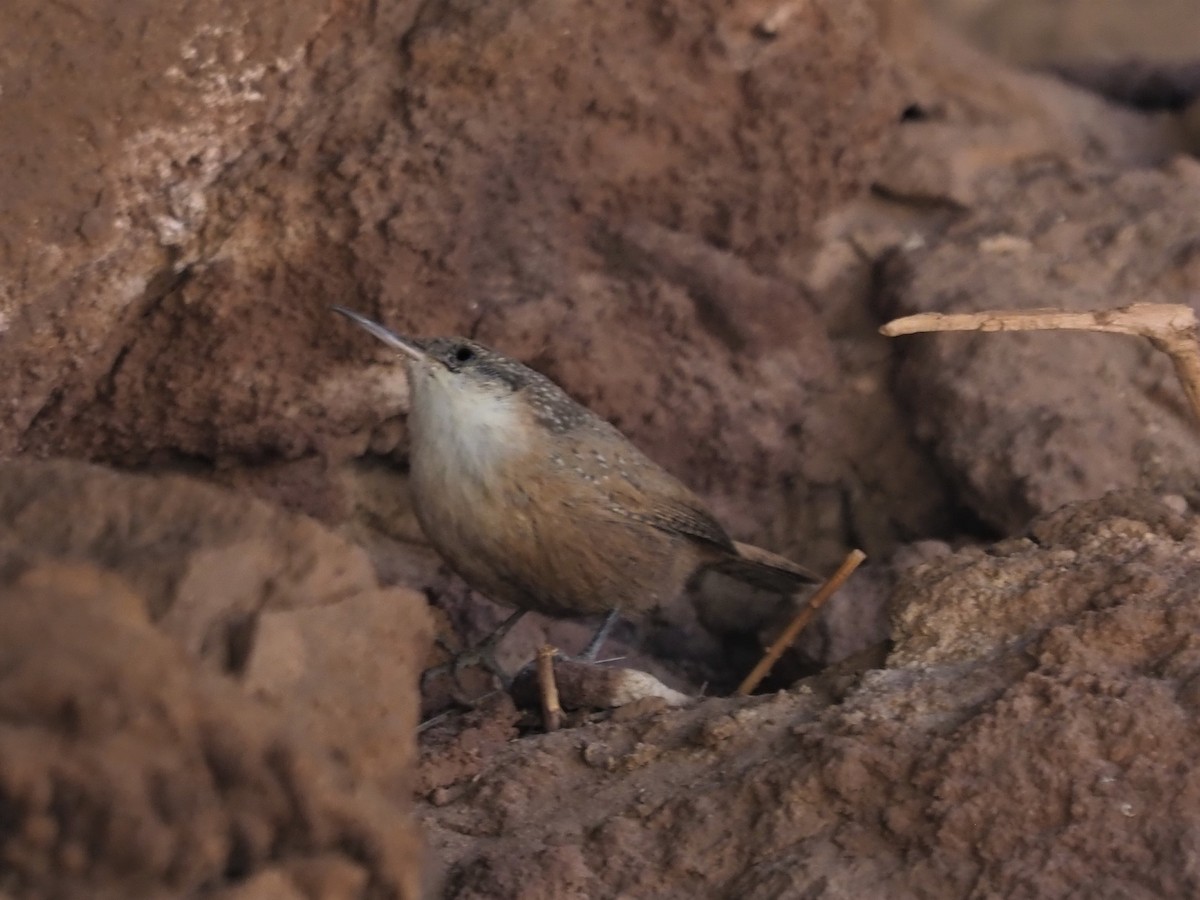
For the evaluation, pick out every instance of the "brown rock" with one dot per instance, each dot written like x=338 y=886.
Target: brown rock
x=345 y=674
x=604 y=192
x=126 y=771
x=970 y=116
x=308 y=753
x=1024 y=423
x=119 y=123
x=1034 y=33
x=267 y=596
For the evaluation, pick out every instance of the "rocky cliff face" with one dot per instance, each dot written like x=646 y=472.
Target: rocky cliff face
x=694 y=216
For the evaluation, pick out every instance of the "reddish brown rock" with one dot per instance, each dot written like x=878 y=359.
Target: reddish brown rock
x=602 y=192
x=269 y=597
x=118 y=125
x=126 y=771
x=221 y=690
x=1033 y=33
x=1024 y=423
x=970 y=116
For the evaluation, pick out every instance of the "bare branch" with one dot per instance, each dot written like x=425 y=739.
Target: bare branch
x=551 y=710
x=852 y=561
x=1171 y=327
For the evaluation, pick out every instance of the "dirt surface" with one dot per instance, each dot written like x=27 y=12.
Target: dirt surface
x=695 y=216
x=1030 y=735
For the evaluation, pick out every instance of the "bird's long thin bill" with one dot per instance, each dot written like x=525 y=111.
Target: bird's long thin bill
x=388 y=337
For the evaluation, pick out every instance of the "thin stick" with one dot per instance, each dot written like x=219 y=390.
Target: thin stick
x=551 y=711
x=432 y=720
x=1170 y=327
x=852 y=561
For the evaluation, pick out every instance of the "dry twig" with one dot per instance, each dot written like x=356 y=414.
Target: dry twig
x=551 y=710
x=802 y=618
x=1170 y=327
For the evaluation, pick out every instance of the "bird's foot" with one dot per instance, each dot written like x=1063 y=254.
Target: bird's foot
x=482 y=655
x=590 y=652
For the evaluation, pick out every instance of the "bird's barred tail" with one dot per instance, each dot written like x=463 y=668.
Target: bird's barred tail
x=765 y=570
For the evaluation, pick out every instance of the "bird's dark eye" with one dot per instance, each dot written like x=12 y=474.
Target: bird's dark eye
x=464 y=354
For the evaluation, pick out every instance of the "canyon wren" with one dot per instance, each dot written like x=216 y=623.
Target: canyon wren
x=540 y=504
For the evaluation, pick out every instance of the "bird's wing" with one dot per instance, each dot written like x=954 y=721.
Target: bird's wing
x=638 y=490
x=651 y=497
x=677 y=516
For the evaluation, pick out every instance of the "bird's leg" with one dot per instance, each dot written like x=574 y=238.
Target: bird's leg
x=592 y=650
x=589 y=652
x=483 y=654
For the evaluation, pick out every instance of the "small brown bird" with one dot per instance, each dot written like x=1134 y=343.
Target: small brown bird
x=542 y=505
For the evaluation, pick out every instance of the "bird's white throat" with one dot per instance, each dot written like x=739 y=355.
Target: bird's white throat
x=462 y=428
